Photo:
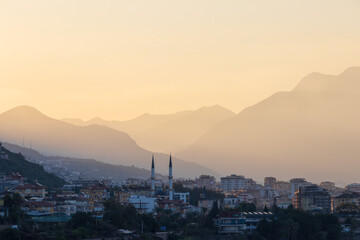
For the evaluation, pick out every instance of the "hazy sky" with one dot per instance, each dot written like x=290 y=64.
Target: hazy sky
x=118 y=59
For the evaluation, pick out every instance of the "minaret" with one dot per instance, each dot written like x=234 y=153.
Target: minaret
x=152 y=177
x=170 y=180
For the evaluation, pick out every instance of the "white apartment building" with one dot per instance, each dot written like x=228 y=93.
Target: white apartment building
x=206 y=181
x=236 y=182
x=353 y=187
x=296 y=183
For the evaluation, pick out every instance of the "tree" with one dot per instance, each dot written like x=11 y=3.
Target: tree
x=12 y=204
x=82 y=219
x=121 y=216
x=300 y=225
x=212 y=214
x=10 y=234
x=246 y=207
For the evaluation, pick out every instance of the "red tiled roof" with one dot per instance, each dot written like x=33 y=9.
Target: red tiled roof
x=30 y=186
x=38 y=204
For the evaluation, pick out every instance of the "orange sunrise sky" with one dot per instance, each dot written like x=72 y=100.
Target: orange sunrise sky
x=119 y=59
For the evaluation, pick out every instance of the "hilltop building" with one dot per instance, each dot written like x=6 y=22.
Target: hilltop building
x=236 y=182
x=31 y=190
x=353 y=187
x=206 y=181
x=269 y=182
x=312 y=198
x=350 y=198
x=296 y=183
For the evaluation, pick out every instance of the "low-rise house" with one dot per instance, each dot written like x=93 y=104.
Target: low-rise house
x=206 y=203
x=67 y=209
x=135 y=182
x=352 y=198
x=184 y=197
x=31 y=190
x=38 y=207
x=252 y=219
x=122 y=197
x=236 y=223
x=190 y=184
x=231 y=223
x=87 y=183
x=140 y=191
x=176 y=206
x=95 y=194
x=143 y=204
x=232 y=201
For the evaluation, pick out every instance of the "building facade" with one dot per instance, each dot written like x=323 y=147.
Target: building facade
x=236 y=182
x=269 y=182
x=312 y=198
x=206 y=181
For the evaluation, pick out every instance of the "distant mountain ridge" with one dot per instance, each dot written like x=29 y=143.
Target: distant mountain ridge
x=346 y=82
x=312 y=131
x=16 y=163
x=88 y=168
x=166 y=133
x=57 y=138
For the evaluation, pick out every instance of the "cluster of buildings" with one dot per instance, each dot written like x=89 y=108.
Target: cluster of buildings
x=324 y=197
x=203 y=181
x=89 y=195
x=147 y=200
x=148 y=195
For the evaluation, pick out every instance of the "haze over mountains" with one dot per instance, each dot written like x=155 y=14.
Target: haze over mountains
x=166 y=133
x=54 y=137
x=88 y=168
x=312 y=131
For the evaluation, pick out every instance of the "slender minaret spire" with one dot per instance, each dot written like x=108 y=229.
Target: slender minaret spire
x=152 y=177
x=170 y=180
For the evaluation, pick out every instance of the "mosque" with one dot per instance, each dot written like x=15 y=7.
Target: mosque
x=171 y=191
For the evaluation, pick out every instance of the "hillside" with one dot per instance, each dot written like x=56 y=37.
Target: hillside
x=15 y=162
x=312 y=131
x=166 y=133
x=53 y=137
x=88 y=168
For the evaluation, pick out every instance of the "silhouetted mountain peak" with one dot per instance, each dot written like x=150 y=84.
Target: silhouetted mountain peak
x=216 y=108
x=348 y=82
x=26 y=112
x=313 y=82
x=351 y=72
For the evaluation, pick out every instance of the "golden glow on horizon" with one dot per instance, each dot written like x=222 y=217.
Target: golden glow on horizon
x=119 y=59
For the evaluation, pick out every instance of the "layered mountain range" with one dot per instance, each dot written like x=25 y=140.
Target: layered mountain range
x=312 y=131
x=56 y=138
x=166 y=133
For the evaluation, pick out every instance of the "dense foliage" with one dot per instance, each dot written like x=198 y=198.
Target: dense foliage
x=198 y=193
x=300 y=225
x=31 y=171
